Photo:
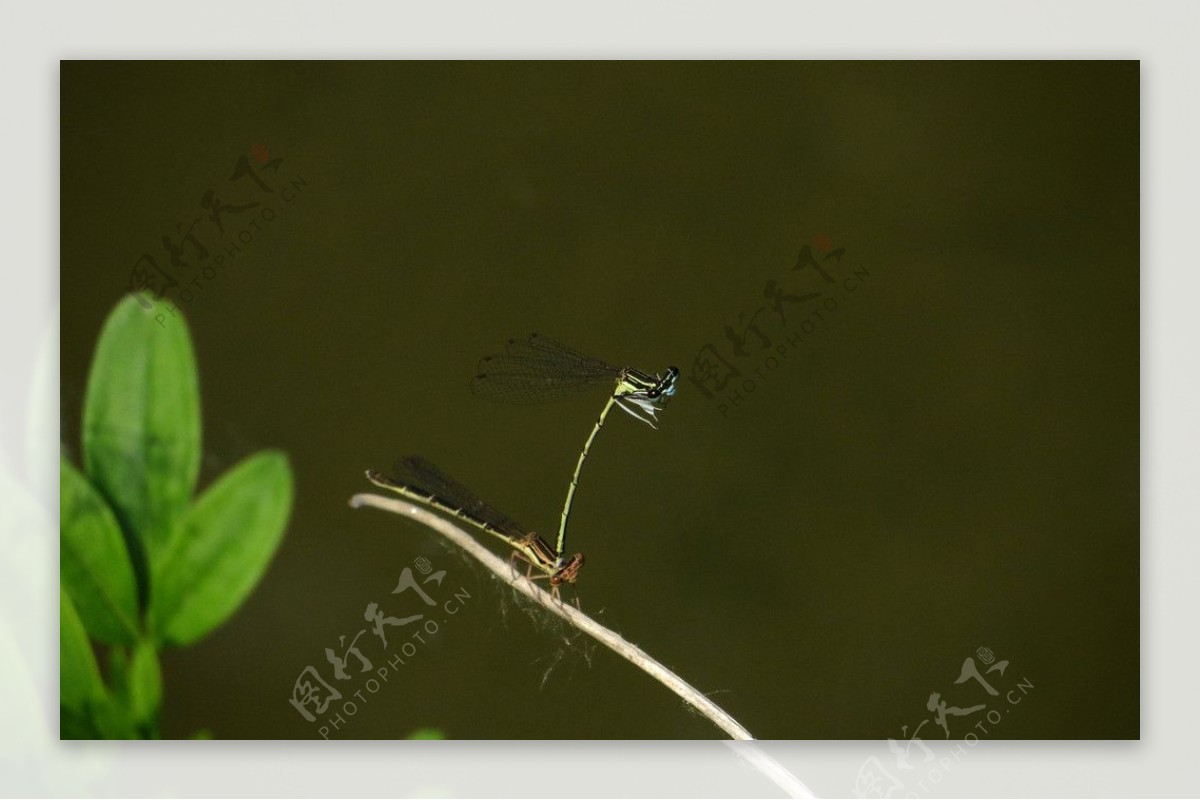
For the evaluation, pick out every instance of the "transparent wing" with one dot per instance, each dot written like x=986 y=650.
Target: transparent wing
x=537 y=370
x=421 y=474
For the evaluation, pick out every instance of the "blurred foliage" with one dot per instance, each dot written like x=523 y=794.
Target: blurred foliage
x=143 y=566
x=427 y=733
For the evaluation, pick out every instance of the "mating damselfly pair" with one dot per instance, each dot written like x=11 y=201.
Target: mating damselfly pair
x=534 y=370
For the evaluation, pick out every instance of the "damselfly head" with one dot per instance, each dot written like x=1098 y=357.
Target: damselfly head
x=664 y=386
x=649 y=401
x=667 y=387
x=569 y=571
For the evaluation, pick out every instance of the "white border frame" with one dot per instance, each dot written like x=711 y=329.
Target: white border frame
x=1163 y=35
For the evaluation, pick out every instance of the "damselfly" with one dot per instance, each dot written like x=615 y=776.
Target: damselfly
x=539 y=369
x=418 y=480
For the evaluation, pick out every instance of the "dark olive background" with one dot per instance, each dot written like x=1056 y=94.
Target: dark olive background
x=948 y=461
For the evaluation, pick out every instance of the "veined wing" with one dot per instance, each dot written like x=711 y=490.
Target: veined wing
x=539 y=369
x=418 y=473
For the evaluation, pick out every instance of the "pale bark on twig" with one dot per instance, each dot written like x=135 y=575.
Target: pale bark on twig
x=572 y=615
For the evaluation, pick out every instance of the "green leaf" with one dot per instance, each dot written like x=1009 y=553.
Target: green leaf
x=75 y=723
x=94 y=563
x=145 y=688
x=137 y=685
x=86 y=709
x=79 y=681
x=141 y=421
x=222 y=548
